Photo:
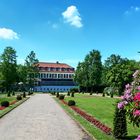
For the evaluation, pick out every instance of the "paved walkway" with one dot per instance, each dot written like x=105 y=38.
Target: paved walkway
x=39 y=118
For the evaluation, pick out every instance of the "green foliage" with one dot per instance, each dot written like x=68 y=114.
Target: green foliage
x=120 y=125
x=74 y=90
x=57 y=95
x=8 y=67
x=22 y=73
x=103 y=109
x=68 y=94
x=111 y=95
x=72 y=94
x=71 y=103
x=13 y=93
x=61 y=97
x=5 y=103
x=19 y=97
x=24 y=94
x=119 y=71
x=88 y=73
x=31 y=64
x=8 y=94
x=30 y=92
x=110 y=91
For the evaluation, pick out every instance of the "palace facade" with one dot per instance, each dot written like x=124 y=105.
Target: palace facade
x=55 y=77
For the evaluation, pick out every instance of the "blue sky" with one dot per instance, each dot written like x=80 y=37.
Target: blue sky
x=66 y=30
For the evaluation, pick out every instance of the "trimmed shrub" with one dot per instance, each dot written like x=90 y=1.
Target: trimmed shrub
x=61 y=97
x=68 y=94
x=90 y=93
x=120 y=125
x=57 y=95
x=5 y=103
x=74 y=90
x=111 y=95
x=8 y=94
x=72 y=94
x=71 y=103
x=30 y=93
x=13 y=93
x=24 y=95
x=19 y=97
x=103 y=94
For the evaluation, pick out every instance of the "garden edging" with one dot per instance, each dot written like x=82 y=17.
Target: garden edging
x=17 y=104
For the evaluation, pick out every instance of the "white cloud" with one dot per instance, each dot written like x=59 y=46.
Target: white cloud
x=132 y=10
x=72 y=16
x=6 y=33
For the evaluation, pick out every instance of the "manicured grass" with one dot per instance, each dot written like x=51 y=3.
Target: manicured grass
x=102 y=108
x=95 y=132
x=10 y=99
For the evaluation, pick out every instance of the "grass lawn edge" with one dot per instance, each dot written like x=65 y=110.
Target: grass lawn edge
x=10 y=108
x=84 y=124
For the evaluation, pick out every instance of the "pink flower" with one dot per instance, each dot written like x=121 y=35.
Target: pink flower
x=127 y=86
x=138 y=87
x=128 y=91
x=138 y=138
x=121 y=105
x=137 y=97
x=136 y=113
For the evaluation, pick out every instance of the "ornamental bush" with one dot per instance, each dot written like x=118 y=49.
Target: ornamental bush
x=68 y=94
x=120 y=124
x=5 y=103
x=131 y=100
x=103 y=94
x=57 y=95
x=19 y=97
x=71 y=103
x=61 y=97
x=72 y=94
x=24 y=95
x=8 y=94
x=13 y=93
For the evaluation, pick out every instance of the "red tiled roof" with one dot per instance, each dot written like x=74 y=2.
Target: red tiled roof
x=53 y=65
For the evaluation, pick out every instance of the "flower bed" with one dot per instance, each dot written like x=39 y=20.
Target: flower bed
x=2 y=107
x=91 y=119
x=11 y=103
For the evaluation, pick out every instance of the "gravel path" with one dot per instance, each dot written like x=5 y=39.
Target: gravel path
x=39 y=118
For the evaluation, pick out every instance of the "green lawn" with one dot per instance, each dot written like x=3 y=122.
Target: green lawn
x=94 y=132
x=3 y=97
x=102 y=108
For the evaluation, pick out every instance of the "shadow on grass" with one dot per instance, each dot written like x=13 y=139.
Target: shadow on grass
x=133 y=137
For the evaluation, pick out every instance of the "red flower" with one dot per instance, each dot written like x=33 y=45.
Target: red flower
x=91 y=119
x=2 y=107
x=137 y=97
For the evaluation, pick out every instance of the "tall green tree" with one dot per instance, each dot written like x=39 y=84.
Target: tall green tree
x=8 y=67
x=95 y=68
x=31 y=63
x=88 y=73
x=22 y=73
x=119 y=71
